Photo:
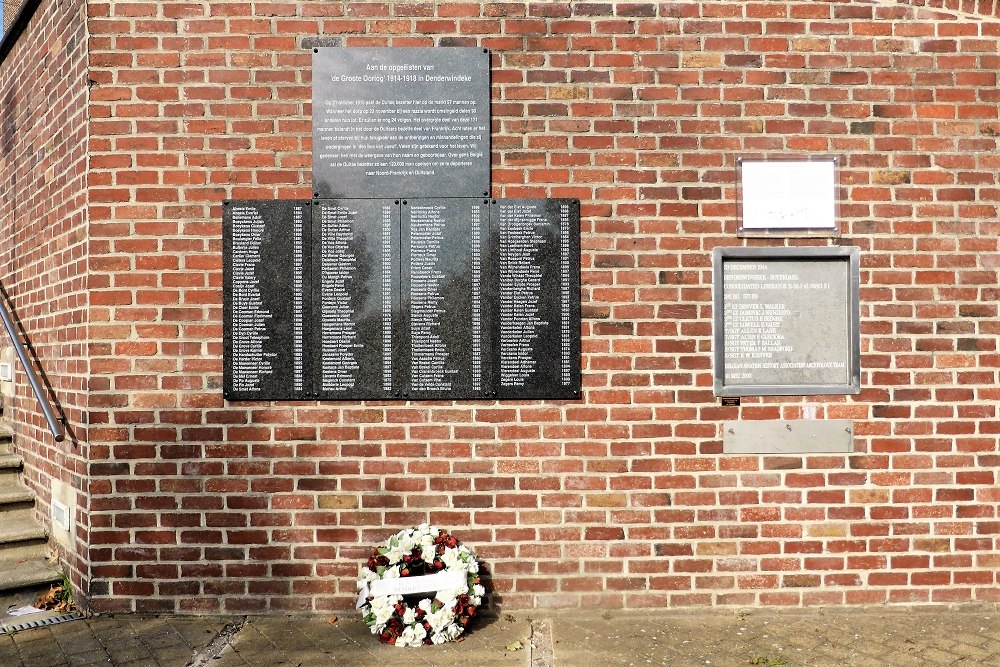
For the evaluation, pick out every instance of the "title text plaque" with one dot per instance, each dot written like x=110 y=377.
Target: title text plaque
x=401 y=122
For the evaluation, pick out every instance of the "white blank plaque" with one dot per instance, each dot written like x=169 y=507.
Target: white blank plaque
x=787 y=196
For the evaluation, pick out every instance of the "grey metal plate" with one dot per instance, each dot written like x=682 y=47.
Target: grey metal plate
x=265 y=304
x=806 y=436
x=401 y=122
x=786 y=321
x=535 y=253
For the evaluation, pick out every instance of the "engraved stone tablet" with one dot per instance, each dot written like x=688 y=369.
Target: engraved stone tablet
x=265 y=302
x=355 y=298
x=401 y=122
x=535 y=253
x=786 y=321
x=444 y=247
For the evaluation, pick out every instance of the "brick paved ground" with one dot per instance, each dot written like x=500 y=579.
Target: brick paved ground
x=801 y=638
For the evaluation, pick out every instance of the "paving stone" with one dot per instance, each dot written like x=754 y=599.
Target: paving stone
x=798 y=638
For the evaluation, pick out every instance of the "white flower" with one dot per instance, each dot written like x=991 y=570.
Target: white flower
x=391 y=572
x=453 y=630
x=450 y=558
x=409 y=616
x=440 y=618
x=412 y=636
x=447 y=599
x=395 y=554
x=439 y=638
x=383 y=608
x=478 y=590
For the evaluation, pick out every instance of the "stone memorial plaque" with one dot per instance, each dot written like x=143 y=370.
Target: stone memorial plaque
x=445 y=330
x=355 y=298
x=786 y=321
x=266 y=301
x=401 y=122
x=535 y=255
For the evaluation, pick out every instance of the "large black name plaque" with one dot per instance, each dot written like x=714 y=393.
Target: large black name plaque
x=786 y=321
x=535 y=246
x=266 y=280
x=355 y=298
x=444 y=249
x=451 y=298
x=390 y=122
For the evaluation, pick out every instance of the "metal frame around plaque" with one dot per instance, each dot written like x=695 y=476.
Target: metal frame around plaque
x=849 y=255
x=797 y=231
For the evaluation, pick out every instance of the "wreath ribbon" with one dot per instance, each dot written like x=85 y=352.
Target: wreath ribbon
x=426 y=583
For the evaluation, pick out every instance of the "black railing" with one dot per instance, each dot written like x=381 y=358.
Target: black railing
x=55 y=428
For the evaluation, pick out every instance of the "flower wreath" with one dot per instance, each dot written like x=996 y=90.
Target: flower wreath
x=434 y=561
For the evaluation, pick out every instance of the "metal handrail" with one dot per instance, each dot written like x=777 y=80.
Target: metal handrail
x=54 y=427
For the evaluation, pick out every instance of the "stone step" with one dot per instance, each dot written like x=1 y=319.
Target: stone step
x=24 y=551
x=24 y=572
x=18 y=528
x=14 y=494
x=10 y=462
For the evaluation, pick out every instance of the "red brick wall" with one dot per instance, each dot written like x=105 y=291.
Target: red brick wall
x=622 y=499
x=43 y=247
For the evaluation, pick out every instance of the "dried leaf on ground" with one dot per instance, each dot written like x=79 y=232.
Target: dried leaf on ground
x=55 y=599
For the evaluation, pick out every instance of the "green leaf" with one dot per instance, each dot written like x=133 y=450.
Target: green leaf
x=514 y=646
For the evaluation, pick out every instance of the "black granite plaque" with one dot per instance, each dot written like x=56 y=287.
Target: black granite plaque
x=266 y=300
x=447 y=298
x=535 y=255
x=786 y=321
x=445 y=332
x=401 y=122
x=356 y=298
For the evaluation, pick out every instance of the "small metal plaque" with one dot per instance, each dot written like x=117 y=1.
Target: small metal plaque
x=786 y=321
x=787 y=196
x=535 y=251
x=265 y=303
x=401 y=122
x=806 y=436
x=730 y=401
x=356 y=302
